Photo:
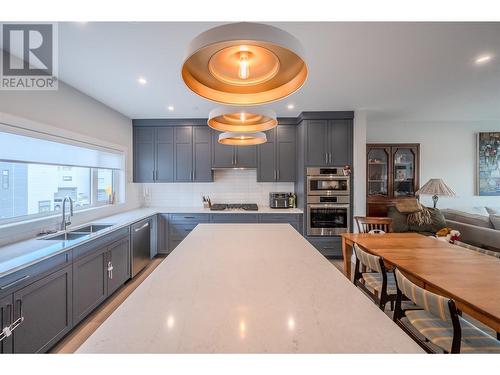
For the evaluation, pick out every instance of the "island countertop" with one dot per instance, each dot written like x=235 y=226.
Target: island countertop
x=247 y=288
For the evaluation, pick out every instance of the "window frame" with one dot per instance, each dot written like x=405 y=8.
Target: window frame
x=94 y=203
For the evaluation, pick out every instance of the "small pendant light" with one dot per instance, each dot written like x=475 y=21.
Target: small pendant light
x=242 y=139
x=243 y=119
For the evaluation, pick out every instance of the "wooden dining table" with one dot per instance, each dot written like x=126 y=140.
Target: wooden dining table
x=470 y=278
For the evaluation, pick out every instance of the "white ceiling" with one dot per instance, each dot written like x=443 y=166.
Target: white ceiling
x=400 y=71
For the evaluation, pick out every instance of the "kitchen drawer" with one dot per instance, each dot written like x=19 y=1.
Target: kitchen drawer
x=279 y=218
x=180 y=231
x=234 y=218
x=32 y=273
x=189 y=218
x=330 y=247
x=98 y=243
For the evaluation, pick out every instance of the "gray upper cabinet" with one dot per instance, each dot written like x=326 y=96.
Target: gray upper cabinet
x=164 y=143
x=144 y=155
x=277 y=157
x=172 y=154
x=245 y=156
x=202 y=150
x=222 y=155
x=266 y=158
x=316 y=143
x=225 y=156
x=46 y=308
x=183 y=170
x=328 y=142
x=340 y=142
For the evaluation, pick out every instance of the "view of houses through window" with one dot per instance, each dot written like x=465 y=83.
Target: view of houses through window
x=32 y=189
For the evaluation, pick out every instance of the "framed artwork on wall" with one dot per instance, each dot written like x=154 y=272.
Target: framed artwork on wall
x=488 y=169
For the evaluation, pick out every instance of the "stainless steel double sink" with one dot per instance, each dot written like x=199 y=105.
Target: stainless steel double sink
x=78 y=232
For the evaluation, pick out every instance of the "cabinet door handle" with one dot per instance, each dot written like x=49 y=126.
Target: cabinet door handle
x=14 y=282
x=326 y=157
x=110 y=270
x=278 y=174
x=19 y=320
x=141 y=228
x=7 y=330
x=330 y=158
x=189 y=217
x=274 y=175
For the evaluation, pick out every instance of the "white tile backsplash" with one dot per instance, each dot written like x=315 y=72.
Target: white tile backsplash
x=229 y=186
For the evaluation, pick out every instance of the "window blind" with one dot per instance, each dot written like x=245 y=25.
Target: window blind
x=20 y=148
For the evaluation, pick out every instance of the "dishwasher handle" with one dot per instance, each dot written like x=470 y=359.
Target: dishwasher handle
x=141 y=228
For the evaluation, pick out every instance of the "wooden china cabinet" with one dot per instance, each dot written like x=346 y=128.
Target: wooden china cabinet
x=392 y=173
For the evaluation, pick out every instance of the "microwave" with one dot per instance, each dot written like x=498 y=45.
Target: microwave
x=327 y=181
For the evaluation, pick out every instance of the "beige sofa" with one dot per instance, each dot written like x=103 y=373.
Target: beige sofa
x=479 y=226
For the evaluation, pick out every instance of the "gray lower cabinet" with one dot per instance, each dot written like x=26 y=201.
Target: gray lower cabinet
x=6 y=314
x=118 y=265
x=163 y=237
x=234 y=218
x=45 y=310
x=295 y=220
x=180 y=225
x=97 y=275
x=328 y=246
x=276 y=159
x=90 y=284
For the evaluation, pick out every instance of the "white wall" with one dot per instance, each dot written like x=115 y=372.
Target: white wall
x=229 y=186
x=70 y=113
x=359 y=163
x=447 y=151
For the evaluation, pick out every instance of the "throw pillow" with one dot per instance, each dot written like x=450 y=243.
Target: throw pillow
x=408 y=206
x=495 y=220
x=437 y=222
x=493 y=210
x=399 y=222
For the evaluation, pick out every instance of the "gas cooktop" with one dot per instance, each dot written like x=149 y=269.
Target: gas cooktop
x=234 y=206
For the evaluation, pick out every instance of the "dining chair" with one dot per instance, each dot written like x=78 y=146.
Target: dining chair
x=367 y=224
x=492 y=253
x=436 y=319
x=377 y=283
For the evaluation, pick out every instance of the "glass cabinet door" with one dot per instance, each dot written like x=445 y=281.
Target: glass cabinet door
x=378 y=166
x=404 y=172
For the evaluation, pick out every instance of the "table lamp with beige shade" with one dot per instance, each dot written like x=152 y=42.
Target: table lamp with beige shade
x=437 y=188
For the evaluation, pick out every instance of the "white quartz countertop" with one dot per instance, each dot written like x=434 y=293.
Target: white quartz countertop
x=19 y=255
x=247 y=288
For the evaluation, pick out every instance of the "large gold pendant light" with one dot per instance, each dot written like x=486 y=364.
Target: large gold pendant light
x=242 y=139
x=243 y=119
x=244 y=64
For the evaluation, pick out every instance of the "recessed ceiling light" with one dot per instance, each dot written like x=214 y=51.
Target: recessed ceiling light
x=142 y=80
x=290 y=106
x=170 y=108
x=483 y=59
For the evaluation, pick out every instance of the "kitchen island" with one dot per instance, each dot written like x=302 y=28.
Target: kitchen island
x=247 y=288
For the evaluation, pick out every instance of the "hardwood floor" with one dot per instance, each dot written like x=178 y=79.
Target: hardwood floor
x=84 y=329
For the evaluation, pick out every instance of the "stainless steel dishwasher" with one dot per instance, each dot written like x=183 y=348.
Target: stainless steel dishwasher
x=141 y=245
